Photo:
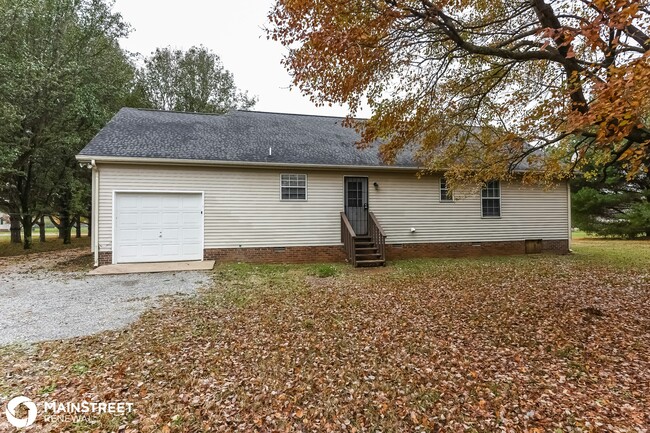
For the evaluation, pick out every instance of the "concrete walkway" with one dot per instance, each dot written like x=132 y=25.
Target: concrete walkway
x=143 y=268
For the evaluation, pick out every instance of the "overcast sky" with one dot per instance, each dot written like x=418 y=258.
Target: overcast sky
x=233 y=30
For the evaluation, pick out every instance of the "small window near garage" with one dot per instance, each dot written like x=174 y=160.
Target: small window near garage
x=293 y=186
x=445 y=192
x=491 y=199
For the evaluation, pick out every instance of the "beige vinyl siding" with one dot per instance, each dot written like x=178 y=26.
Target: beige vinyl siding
x=527 y=212
x=243 y=206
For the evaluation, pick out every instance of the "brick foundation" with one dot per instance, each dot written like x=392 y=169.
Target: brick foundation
x=312 y=254
x=453 y=249
x=469 y=249
x=105 y=258
x=556 y=246
x=336 y=253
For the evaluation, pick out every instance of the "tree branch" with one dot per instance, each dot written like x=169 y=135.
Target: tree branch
x=640 y=37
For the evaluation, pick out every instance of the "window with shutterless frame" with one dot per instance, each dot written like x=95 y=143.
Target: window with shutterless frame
x=445 y=192
x=293 y=186
x=491 y=200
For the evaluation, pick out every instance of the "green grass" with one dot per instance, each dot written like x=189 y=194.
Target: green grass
x=581 y=235
x=49 y=231
x=80 y=368
x=53 y=243
x=243 y=283
x=618 y=253
x=325 y=270
x=634 y=254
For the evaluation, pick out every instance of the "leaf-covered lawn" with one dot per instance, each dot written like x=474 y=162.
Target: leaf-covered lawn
x=537 y=343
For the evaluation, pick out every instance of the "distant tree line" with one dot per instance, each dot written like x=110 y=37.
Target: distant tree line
x=63 y=76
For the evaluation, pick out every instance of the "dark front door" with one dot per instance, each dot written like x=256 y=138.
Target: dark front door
x=356 y=203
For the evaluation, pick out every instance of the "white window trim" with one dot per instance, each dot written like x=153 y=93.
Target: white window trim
x=449 y=200
x=289 y=200
x=492 y=198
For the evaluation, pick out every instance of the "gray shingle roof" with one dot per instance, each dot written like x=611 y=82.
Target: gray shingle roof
x=239 y=136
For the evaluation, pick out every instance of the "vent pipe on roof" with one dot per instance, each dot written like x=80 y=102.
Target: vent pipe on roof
x=270 y=151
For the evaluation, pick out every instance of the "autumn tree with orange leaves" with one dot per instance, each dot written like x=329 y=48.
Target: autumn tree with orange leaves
x=482 y=88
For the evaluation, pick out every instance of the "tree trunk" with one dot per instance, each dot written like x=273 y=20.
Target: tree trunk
x=25 y=189
x=66 y=226
x=78 y=227
x=58 y=226
x=41 y=229
x=15 y=229
x=27 y=231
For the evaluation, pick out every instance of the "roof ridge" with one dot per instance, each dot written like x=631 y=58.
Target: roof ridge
x=298 y=114
x=199 y=113
x=155 y=110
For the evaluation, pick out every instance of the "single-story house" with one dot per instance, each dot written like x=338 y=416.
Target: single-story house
x=271 y=187
x=5 y=223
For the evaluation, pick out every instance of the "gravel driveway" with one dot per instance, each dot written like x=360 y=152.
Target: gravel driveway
x=39 y=303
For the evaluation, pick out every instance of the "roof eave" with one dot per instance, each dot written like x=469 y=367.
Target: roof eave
x=241 y=164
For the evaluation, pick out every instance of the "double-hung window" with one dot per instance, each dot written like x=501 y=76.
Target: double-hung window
x=491 y=199
x=445 y=192
x=293 y=186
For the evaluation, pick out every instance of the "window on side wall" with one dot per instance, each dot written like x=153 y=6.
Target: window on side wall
x=491 y=199
x=293 y=186
x=445 y=193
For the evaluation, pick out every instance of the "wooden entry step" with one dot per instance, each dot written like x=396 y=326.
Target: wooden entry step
x=367 y=253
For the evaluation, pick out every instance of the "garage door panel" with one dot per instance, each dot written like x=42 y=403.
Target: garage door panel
x=191 y=234
x=149 y=235
x=191 y=250
x=151 y=200
x=158 y=227
x=129 y=251
x=129 y=202
x=172 y=203
x=171 y=235
x=171 y=218
x=149 y=205
x=149 y=218
x=191 y=219
x=129 y=235
x=129 y=217
x=149 y=251
x=188 y=203
x=171 y=249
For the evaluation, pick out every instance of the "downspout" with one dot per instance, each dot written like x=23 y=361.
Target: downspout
x=568 y=199
x=95 y=212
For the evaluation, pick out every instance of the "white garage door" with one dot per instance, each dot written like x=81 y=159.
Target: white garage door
x=158 y=227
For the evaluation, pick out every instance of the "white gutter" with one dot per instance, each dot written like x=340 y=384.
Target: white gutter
x=95 y=211
x=245 y=164
x=201 y=162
